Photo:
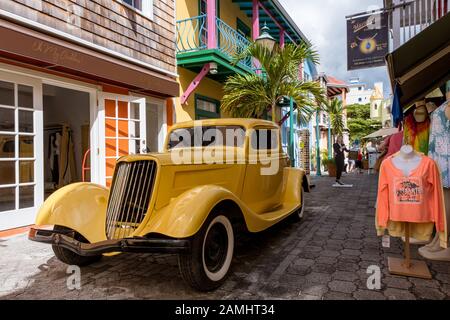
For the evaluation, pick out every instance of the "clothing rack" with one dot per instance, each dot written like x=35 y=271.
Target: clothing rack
x=56 y=127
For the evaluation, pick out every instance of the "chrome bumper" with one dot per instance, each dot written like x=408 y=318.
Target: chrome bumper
x=137 y=245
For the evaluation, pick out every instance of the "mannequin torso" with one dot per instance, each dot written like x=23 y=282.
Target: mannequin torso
x=407 y=160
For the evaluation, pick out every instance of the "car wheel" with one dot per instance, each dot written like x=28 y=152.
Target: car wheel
x=208 y=264
x=69 y=257
x=300 y=212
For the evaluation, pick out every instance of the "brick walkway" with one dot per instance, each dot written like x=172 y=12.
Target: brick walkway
x=324 y=257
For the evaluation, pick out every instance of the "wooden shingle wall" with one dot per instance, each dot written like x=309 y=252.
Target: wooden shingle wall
x=110 y=24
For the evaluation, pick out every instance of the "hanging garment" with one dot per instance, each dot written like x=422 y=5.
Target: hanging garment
x=439 y=146
x=67 y=168
x=54 y=154
x=395 y=143
x=417 y=198
x=397 y=110
x=416 y=134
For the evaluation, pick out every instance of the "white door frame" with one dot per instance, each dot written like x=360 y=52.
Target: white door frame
x=93 y=122
x=162 y=121
x=22 y=217
x=101 y=150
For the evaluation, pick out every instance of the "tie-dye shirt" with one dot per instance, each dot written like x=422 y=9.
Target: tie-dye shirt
x=439 y=147
x=417 y=134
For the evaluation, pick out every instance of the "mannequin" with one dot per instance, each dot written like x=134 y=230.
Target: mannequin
x=407 y=160
x=434 y=251
x=416 y=128
x=421 y=112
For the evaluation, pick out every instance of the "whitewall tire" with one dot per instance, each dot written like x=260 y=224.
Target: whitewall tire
x=207 y=266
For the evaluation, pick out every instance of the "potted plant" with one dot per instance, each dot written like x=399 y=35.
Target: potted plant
x=330 y=164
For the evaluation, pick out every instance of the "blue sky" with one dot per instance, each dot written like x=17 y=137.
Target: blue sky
x=323 y=22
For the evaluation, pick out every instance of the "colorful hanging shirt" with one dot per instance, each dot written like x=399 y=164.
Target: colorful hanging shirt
x=417 y=134
x=417 y=198
x=439 y=149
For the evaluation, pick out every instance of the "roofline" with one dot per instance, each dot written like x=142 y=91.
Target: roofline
x=290 y=21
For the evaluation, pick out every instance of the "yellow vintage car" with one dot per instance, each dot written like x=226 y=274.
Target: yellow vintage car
x=214 y=178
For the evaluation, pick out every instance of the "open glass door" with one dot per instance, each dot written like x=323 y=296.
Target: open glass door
x=122 y=130
x=21 y=151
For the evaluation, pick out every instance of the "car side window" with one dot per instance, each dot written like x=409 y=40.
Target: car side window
x=264 y=139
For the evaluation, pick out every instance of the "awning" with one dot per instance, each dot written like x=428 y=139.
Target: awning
x=423 y=63
x=382 y=133
x=35 y=48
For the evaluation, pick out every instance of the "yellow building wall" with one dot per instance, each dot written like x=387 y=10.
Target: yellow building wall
x=229 y=12
x=208 y=88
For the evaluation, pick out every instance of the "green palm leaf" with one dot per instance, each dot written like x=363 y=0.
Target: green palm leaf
x=252 y=95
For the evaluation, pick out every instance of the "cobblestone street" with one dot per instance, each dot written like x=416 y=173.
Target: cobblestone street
x=325 y=256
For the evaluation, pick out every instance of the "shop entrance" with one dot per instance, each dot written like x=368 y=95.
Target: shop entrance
x=66 y=137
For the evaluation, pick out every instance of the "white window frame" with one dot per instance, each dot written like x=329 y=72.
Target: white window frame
x=22 y=217
x=102 y=122
x=146 y=10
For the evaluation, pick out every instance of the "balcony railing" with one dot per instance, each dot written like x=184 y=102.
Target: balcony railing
x=411 y=17
x=192 y=36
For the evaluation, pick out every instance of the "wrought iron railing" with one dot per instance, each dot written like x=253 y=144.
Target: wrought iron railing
x=231 y=42
x=411 y=17
x=192 y=35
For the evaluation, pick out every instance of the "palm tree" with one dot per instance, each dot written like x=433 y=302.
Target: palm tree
x=335 y=110
x=252 y=95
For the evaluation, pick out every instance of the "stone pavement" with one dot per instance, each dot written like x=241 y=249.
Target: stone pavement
x=325 y=256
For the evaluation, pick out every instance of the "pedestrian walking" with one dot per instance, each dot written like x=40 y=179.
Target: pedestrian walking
x=339 y=157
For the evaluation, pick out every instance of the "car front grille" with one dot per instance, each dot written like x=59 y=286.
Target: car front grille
x=129 y=197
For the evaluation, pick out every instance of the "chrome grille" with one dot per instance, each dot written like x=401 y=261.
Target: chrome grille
x=129 y=197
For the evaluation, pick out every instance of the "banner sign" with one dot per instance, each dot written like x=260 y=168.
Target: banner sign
x=367 y=41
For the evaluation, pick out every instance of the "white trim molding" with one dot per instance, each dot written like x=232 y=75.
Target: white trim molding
x=66 y=36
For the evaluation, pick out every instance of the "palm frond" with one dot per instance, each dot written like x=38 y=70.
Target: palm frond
x=335 y=110
x=252 y=95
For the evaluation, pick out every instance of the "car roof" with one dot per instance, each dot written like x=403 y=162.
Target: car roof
x=246 y=123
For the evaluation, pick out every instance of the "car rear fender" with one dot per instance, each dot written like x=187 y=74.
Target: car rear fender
x=294 y=180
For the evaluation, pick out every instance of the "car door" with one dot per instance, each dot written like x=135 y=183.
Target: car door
x=262 y=189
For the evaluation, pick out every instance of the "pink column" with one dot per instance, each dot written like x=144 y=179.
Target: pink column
x=282 y=38
x=255 y=30
x=300 y=72
x=255 y=17
x=211 y=23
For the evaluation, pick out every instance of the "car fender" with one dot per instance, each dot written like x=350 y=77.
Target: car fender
x=79 y=206
x=184 y=215
x=294 y=180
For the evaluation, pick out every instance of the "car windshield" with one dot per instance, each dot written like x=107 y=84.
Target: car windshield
x=207 y=136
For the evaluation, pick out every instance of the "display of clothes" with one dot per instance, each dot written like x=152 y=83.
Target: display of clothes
x=416 y=134
x=416 y=198
x=439 y=145
x=61 y=155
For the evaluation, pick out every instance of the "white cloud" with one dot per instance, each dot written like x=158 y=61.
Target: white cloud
x=323 y=23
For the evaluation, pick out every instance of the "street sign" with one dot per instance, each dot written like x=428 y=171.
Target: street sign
x=367 y=41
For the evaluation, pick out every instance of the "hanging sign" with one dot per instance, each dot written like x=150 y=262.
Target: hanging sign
x=367 y=41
